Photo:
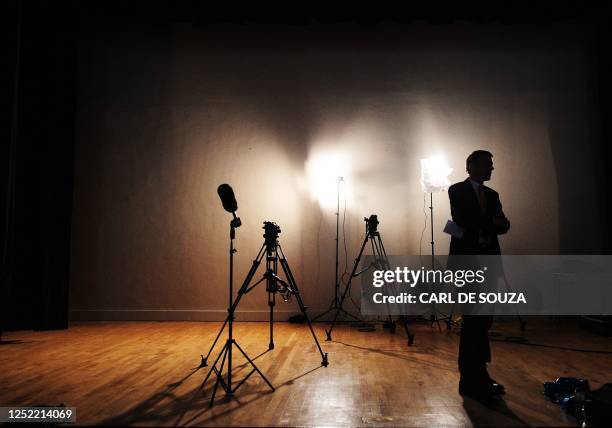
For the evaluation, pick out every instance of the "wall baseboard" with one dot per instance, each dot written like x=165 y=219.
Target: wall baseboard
x=178 y=315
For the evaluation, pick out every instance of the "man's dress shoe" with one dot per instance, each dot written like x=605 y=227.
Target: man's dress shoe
x=480 y=389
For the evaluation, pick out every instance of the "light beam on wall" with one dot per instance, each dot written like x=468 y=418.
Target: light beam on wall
x=322 y=169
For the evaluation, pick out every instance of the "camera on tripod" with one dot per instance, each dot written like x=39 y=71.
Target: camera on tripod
x=372 y=224
x=271 y=231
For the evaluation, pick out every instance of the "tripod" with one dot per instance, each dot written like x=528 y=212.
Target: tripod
x=381 y=261
x=336 y=304
x=274 y=284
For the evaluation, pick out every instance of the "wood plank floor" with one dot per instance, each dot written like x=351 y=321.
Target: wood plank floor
x=144 y=373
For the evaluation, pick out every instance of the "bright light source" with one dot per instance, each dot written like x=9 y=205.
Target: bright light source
x=434 y=175
x=323 y=169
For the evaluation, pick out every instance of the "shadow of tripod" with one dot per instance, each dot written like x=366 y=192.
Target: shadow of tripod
x=273 y=252
x=381 y=262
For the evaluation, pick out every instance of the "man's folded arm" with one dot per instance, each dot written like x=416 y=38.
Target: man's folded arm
x=460 y=216
x=501 y=224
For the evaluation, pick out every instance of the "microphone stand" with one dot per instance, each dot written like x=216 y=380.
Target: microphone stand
x=226 y=351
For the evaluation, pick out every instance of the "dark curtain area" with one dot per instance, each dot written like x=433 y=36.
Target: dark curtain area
x=602 y=66
x=37 y=165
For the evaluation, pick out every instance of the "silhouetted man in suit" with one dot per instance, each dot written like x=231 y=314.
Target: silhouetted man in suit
x=478 y=211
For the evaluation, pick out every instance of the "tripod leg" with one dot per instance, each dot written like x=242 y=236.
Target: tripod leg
x=347 y=288
x=391 y=324
x=271 y=286
x=271 y=302
x=214 y=366
x=434 y=319
x=324 y=360
x=203 y=363
x=402 y=319
x=380 y=256
x=387 y=289
x=329 y=332
x=409 y=335
x=522 y=323
x=449 y=320
x=219 y=374
x=303 y=308
x=244 y=288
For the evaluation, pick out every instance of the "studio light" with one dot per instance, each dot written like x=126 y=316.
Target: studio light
x=434 y=175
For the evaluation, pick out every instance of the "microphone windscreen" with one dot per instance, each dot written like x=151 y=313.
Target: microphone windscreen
x=227 y=198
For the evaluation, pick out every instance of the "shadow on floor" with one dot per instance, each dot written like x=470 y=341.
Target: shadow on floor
x=402 y=355
x=166 y=408
x=11 y=342
x=491 y=413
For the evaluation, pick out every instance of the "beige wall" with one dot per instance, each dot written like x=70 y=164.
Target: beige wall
x=167 y=114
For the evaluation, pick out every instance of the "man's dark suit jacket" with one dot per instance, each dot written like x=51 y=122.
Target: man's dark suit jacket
x=466 y=212
x=474 y=348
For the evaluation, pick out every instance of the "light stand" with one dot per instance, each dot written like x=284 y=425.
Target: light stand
x=433 y=317
x=336 y=303
x=434 y=178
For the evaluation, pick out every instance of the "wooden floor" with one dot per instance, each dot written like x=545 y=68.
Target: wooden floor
x=144 y=373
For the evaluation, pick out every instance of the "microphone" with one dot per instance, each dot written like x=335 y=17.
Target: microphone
x=227 y=198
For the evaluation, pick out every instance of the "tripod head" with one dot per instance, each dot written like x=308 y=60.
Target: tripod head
x=371 y=225
x=271 y=232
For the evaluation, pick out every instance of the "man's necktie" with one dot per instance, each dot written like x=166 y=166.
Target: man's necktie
x=482 y=199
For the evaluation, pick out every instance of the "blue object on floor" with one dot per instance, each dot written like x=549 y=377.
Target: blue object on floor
x=563 y=388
